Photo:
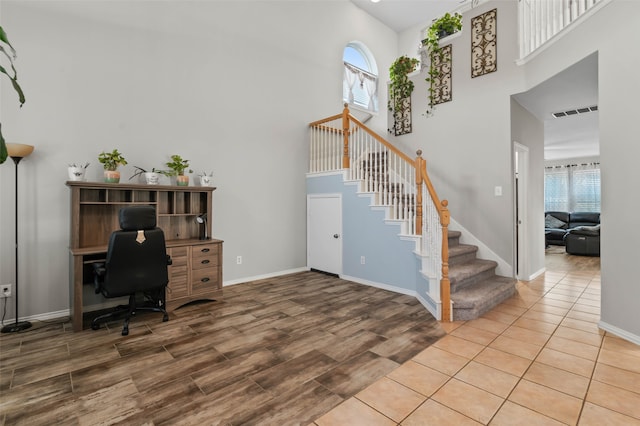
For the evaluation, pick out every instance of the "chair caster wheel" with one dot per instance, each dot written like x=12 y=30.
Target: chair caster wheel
x=165 y=318
x=125 y=331
x=95 y=326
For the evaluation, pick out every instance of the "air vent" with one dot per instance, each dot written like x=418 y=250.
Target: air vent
x=576 y=111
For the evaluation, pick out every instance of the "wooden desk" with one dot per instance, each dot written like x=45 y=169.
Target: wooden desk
x=196 y=272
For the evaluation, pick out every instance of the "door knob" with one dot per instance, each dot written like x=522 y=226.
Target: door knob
x=336 y=236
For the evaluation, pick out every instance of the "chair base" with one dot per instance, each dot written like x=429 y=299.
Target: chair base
x=129 y=311
x=16 y=327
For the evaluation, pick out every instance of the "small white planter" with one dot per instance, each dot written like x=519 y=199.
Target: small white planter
x=206 y=180
x=76 y=173
x=151 y=178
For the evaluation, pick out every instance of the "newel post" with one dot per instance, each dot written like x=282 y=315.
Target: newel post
x=420 y=164
x=345 y=136
x=445 y=284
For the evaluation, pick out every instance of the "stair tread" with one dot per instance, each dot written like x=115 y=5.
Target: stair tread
x=459 y=272
x=454 y=234
x=482 y=292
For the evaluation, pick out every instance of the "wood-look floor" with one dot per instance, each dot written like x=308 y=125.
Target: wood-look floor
x=277 y=351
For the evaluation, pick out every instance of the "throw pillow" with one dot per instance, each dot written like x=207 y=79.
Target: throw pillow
x=553 y=222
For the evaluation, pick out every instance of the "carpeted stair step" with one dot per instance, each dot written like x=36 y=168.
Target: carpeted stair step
x=462 y=253
x=473 y=301
x=470 y=273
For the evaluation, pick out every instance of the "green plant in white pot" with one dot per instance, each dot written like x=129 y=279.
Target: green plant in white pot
x=178 y=166
x=150 y=177
x=10 y=53
x=110 y=161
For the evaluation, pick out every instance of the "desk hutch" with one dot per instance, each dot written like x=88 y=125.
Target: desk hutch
x=196 y=270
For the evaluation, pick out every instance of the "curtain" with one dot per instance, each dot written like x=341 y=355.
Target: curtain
x=350 y=77
x=364 y=93
x=572 y=188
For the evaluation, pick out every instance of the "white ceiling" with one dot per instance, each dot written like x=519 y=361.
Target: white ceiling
x=576 y=87
x=400 y=15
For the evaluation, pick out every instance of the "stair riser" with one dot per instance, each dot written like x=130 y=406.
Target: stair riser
x=477 y=311
x=472 y=280
x=462 y=258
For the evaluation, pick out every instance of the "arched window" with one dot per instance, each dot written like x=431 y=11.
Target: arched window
x=360 y=81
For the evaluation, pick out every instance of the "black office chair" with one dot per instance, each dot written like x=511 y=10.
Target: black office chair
x=136 y=263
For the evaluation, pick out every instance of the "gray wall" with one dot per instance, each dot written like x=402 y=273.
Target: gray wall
x=527 y=130
x=229 y=85
x=467 y=141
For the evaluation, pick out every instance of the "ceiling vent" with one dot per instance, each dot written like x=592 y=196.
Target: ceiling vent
x=576 y=111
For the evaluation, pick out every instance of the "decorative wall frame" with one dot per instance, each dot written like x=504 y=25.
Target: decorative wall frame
x=402 y=119
x=484 y=43
x=441 y=82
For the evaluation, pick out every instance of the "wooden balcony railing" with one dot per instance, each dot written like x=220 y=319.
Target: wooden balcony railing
x=342 y=142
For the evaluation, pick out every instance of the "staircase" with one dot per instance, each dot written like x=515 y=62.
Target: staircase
x=459 y=286
x=475 y=287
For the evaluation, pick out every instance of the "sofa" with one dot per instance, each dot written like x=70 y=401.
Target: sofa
x=579 y=232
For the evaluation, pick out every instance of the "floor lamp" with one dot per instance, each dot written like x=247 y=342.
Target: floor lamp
x=17 y=152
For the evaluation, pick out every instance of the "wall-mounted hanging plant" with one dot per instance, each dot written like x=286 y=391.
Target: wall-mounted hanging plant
x=440 y=58
x=400 y=90
x=484 y=43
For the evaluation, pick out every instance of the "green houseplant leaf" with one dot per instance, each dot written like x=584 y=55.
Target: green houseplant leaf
x=13 y=76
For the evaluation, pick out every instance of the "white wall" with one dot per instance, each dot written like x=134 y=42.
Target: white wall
x=229 y=85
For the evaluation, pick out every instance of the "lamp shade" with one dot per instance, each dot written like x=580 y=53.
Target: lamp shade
x=19 y=150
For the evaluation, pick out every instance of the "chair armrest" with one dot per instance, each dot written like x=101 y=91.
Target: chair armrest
x=98 y=272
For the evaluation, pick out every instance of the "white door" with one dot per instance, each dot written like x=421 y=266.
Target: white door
x=324 y=233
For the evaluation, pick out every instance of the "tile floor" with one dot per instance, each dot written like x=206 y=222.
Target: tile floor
x=536 y=359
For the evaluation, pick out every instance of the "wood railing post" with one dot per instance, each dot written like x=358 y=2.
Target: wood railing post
x=345 y=136
x=420 y=166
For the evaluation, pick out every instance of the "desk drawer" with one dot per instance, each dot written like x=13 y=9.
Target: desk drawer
x=205 y=256
x=204 y=280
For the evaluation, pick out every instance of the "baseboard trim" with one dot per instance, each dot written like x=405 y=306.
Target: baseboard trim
x=619 y=332
x=379 y=285
x=42 y=317
x=265 y=276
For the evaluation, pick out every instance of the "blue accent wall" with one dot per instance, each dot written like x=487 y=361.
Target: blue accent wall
x=388 y=259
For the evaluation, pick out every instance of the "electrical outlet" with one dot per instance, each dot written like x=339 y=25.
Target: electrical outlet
x=362 y=260
x=5 y=290
x=239 y=260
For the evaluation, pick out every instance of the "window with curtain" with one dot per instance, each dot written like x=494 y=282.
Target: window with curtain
x=572 y=188
x=360 y=82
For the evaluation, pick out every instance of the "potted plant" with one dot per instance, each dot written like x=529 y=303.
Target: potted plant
x=77 y=171
x=206 y=179
x=10 y=53
x=151 y=177
x=444 y=26
x=110 y=161
x=400 y=87
x=178 y=166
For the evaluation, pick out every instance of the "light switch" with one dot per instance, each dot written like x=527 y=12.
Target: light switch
x=497 y=191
